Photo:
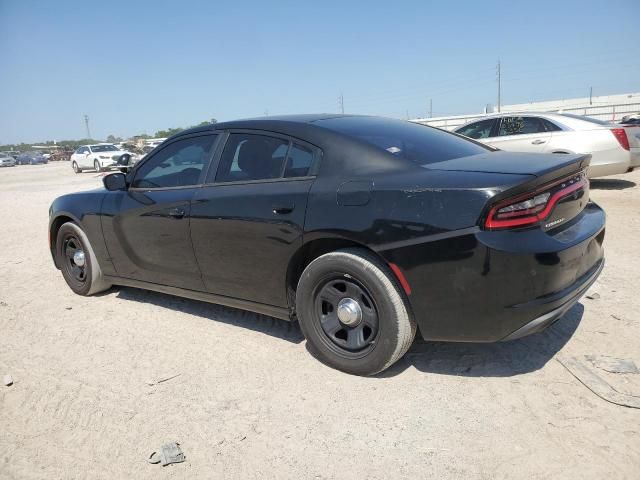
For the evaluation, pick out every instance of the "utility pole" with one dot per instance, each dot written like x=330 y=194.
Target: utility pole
x=499 y=85
x=431 y=108
x=590 y=95
x=86 y=124
x=341 y=103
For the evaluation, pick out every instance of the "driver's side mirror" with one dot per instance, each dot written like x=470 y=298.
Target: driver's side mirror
x=87 y=153
x=115 y=181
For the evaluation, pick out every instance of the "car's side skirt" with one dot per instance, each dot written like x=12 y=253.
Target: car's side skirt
x=271 y=310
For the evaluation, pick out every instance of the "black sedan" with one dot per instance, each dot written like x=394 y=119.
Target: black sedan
x=361 y=228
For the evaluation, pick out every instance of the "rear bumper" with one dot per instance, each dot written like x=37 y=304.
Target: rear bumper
x=635 y=157
x=488 y=286
x=543 y=321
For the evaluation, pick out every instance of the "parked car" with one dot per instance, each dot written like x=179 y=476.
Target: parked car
x=7 y=160
x=12 y=153
x=361 y=228
x=100 y=157
x=31 y=158
x=633 y=119
x=564 y=133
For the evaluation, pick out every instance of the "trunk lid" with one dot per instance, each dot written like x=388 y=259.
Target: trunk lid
x=544 y=167
x=552 y=173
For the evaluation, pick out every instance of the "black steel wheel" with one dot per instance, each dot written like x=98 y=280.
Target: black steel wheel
x=75 y=263
x=76 y=260
x=347 y=315
x=353 y=313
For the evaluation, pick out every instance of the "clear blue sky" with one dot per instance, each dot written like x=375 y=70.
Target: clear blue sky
x=137 y=67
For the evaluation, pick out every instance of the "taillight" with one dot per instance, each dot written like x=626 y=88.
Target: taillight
x=621 y=136
x=533 y=207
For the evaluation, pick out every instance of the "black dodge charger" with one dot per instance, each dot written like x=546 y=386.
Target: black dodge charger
x=363 y=229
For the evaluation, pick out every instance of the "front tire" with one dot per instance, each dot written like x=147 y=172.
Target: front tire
x=353 y=313
x=76 y=168
x=96 y=165
x=78 y=262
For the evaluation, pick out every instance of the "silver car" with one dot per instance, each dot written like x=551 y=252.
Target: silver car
x=608 y=143
x=7 y=160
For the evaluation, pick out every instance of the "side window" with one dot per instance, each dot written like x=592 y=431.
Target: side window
x=476 y=130
x=520 y=126
x=550 y=126
x=251 y=157
x=177 y=165
x=299 y=161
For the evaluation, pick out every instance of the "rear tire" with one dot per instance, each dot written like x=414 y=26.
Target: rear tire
x=76 y=168
x=364 y=336
x=83 y=277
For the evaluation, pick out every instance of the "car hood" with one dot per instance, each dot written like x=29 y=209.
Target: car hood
x=115 y=153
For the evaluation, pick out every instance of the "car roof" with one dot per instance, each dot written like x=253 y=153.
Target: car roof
x=331 y=142
x=270 y=123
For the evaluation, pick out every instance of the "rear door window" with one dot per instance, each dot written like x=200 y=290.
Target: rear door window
x=299 y=161
x=520 y=126
x=248 y=157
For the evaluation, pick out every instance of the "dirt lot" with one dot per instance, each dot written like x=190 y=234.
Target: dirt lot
x=250 y=402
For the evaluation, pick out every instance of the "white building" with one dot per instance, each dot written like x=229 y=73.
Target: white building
x=604 y=107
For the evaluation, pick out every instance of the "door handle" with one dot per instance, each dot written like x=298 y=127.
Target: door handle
x=283 y=210
x=538 y=142
x=177 y=212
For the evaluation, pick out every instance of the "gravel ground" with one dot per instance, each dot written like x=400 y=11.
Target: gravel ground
x=249 y=401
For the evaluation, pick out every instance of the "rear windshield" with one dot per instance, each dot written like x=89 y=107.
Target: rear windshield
x=412 y=141
x=586 y=119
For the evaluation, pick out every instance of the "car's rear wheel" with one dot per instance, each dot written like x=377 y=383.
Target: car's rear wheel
x=76 y=168
x=77 y=261
x=353 y=313
x=96 y=165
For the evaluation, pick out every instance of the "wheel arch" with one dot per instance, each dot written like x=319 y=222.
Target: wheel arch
x=308 y=252
x=55 y=224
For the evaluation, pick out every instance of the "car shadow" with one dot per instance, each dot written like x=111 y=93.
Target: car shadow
x=444 y=358
x=506 y=359
x=611 y=184
x=275 y=327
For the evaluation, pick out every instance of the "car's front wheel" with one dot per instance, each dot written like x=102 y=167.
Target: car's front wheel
x=76 y=168
x=77 y=261
x=96 y=165
x=353 y=313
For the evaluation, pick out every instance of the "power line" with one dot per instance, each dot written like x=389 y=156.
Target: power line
x=86 y=124
x=499 y=86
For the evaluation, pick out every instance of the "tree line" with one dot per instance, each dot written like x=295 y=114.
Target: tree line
x=110 y=139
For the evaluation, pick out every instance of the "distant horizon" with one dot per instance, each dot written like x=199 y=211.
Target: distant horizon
x=156 y=65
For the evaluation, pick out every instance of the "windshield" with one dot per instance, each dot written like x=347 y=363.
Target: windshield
x=585 y=119
x=412 y=141
x=103 y=148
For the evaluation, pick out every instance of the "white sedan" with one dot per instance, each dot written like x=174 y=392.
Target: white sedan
x=608 y=144
x=102 y=156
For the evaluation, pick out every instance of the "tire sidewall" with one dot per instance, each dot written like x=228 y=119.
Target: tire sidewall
x=363 y=271
x=94 y=280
